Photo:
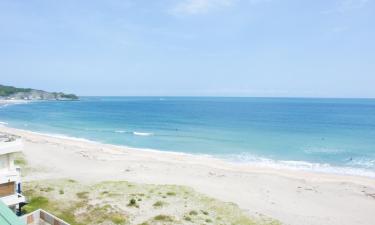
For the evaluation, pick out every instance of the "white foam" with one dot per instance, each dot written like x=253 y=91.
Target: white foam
x=120 y=131
x=3 y=123
x=142 y=133
x=5 y=103
x=62 y=136
x=323 y=150
x=300 y=165
x=363 y=162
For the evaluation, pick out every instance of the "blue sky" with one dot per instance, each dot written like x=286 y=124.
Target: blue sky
x=320 y=48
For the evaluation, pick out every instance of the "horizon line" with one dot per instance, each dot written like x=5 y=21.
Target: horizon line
x=220 y=96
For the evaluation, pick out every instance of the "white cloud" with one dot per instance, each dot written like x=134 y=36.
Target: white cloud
x=200 y=6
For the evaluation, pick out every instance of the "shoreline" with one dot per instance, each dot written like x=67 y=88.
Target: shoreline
x=260 y=162
x=244 y=158
x=293 y=197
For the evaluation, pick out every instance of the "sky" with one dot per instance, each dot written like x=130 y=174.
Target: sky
x=278 y=48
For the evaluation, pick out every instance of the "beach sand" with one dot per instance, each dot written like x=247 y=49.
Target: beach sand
x=293 y=197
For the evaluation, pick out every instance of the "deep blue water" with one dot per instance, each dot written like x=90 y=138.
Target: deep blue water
x=330 y=135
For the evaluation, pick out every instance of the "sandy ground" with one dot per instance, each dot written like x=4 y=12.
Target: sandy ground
x=292 y=197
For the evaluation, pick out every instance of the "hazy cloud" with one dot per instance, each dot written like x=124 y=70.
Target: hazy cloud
x=339 y=29
x=347 y=5
x=192 y=7
x=200 y=6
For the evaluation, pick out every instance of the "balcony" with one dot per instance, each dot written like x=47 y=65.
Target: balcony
x=14 y=199
x=10 y=146
x=7 y=176
x=41 y=217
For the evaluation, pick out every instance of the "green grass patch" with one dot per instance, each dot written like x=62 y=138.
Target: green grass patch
x=20 y=162
x=47 y=189
x=38 y=202
x=83 y=195
x=159 y=204
x=118 y=219
x=133 y=203
x=193 y=213
x=204 y=212
x=163 y=218
x=170 y=193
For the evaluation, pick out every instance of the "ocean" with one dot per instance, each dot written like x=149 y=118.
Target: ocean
x=323 y=135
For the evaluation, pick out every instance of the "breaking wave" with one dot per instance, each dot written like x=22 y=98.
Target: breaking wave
x=142 y=133
x=366 y=169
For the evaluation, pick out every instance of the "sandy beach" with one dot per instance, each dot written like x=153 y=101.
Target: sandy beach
x=290 y=196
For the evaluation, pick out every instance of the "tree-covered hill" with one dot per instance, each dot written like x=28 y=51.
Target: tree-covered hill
x=9 y=92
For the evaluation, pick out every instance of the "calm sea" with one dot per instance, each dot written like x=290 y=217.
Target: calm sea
x=327 y=135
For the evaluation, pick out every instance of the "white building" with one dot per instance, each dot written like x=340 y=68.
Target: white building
x=10 y=188
x=10 y=177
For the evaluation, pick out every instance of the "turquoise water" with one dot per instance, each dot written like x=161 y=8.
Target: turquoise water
x=328 y=135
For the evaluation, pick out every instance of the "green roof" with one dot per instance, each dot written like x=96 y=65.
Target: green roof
x=7 y=216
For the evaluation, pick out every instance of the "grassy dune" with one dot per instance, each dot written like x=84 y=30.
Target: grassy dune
x=122 y=202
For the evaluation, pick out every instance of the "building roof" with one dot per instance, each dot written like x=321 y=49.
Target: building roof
x=10 y=147
x=7 y=217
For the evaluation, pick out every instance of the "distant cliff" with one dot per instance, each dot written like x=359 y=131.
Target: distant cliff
x=9 y=92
